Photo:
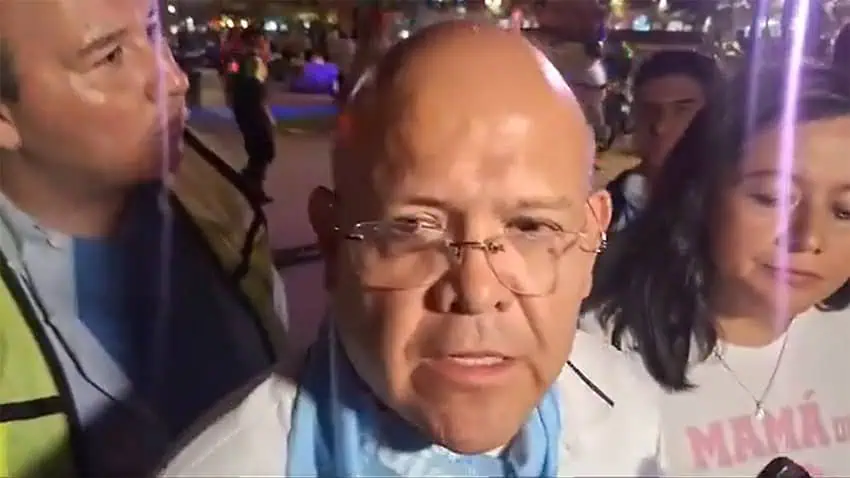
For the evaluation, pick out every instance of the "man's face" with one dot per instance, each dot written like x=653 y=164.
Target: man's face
x=463 y=342
x=102 y=100
x=806 y=259
x=664 y=108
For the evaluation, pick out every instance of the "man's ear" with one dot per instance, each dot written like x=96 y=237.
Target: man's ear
x=594 y=239
x=321 y=209
x=10 y=139
x=599 y=211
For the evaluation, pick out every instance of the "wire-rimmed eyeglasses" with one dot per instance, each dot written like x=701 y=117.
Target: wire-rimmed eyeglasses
x=409 y=254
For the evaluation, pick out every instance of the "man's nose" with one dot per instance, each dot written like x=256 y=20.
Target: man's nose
x=806 y=231
x=167 y=79
x=476 y=288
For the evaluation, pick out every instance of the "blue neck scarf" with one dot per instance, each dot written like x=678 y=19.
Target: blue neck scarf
x=340 y=430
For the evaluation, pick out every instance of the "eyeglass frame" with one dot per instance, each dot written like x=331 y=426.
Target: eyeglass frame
x=488 y=246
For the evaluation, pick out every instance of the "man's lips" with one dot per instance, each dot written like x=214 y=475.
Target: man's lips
x=471 y=369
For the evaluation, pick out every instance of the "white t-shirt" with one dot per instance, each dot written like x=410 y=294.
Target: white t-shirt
x=712 y=430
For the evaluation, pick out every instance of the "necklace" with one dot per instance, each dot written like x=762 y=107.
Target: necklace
x=759 y=412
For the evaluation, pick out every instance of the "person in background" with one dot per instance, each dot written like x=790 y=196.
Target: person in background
x=341 y=51
x=456 y=258
x=585 y=74
x=732 y=287
x=590 y=82
x=570 y=34
x=373 y=35
x=247 y=75
x=616 y=105
x=129 y=299
x=670 y=87
x=317 y=76
x=230 y=44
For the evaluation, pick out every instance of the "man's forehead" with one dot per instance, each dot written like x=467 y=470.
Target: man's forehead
x=510 y=153
x=487 y=139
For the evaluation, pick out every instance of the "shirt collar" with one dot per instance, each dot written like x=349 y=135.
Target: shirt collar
x=18 y=228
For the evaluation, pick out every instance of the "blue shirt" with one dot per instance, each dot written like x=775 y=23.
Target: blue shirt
x=148 y=331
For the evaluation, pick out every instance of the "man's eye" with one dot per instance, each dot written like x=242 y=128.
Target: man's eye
x=534 y=226
x=413 y=225
x=115 y=56
x=403 y=226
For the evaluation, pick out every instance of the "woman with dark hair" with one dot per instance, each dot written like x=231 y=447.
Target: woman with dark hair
x=670 y=87
x=732 y=286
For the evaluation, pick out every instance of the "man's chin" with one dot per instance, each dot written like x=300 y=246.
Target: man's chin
x=475 y=441
x=473 y=431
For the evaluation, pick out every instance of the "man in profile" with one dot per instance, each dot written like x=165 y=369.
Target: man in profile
x=130 y=298
x=459 y=239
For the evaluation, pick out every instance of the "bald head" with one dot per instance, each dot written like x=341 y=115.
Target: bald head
x=456 y=90
x=465 y=134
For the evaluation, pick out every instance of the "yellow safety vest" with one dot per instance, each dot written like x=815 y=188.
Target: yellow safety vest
x=37 y=417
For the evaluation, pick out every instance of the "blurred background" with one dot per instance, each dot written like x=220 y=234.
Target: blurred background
x=717 y=27
x=596 y=45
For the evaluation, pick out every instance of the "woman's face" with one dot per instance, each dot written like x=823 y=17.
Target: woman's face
x=664 y=108
x=767 y=253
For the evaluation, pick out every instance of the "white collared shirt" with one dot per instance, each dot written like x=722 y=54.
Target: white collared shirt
x=610 y=419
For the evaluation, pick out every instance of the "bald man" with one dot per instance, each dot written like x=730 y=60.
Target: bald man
x=459 y=241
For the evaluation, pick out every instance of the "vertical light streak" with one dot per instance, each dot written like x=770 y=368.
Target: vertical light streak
x=799 y=24
x=159 y=325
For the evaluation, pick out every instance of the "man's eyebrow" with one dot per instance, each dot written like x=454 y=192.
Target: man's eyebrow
x=101 y=41
x=560 y=202
x=554 y=203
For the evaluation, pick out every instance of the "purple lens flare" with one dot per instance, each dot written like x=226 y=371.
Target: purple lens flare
x=798 y=25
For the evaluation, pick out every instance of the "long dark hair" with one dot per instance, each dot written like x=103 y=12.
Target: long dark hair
x=654 y=283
